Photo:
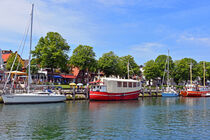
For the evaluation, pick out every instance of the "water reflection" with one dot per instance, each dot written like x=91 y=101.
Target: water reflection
x=146 y=118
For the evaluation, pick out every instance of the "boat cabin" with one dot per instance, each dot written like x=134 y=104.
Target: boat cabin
x=114 y=85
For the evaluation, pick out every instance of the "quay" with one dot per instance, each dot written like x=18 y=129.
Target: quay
x=83 y=93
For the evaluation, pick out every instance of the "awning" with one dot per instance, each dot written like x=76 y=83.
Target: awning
x=17 y=72
x=68 y=76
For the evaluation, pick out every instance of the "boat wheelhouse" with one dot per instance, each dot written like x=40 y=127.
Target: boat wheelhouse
x=115 y=89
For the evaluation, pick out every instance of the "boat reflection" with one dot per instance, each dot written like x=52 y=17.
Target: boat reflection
x=98 y=105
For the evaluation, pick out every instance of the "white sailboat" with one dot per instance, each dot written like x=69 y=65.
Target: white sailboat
x=29 y=97
x=169 y=92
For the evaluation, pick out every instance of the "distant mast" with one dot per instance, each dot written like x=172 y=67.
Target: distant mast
x=168 y=70
x=204 y=74
x=128 y=70
x=29 y=61
x=191 y=73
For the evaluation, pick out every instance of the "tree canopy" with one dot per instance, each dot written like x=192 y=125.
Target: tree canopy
x=161 y=65
x=123 y=66
x=84 y=58
x=10 y=62
x=108 y=63
x=51 y=51
x=182 y=70
x=150 y=70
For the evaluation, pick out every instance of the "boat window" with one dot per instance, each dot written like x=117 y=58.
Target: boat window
x=119 y=84
x=124 y=84
x=134 y=84
x=130 y=84
x=138 y=84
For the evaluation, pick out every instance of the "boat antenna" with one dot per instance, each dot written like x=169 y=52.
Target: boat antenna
x=29 y=61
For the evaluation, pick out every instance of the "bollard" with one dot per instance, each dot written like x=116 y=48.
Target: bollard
x=87 y=93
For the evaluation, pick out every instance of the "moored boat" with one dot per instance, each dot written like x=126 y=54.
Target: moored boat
x=40 y=97
x=29 y=97
x=168 y=92
x=194 y=90
x=115 y=89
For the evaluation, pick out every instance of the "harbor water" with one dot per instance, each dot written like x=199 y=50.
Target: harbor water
x=146 y=118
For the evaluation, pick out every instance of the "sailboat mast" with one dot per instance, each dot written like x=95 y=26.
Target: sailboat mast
x=204 y=72
x=168 y=70
x=191 y=73
x=128 y=70
x=29 y=61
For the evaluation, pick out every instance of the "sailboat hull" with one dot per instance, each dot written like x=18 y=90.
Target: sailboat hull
x=32 y=98
x=168 y=94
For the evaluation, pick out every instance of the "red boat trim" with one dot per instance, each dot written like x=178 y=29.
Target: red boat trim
x=121 y=94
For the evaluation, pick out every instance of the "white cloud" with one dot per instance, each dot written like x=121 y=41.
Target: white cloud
x=200 y=41
x=74 y=25
x=146 y=50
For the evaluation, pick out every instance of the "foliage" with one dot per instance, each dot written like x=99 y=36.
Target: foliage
x=34 y=67
x=51 y=51
x=182 y=70
x=162 y=65
x=10 y=62
x=200 y=68
x=150 y=70
x=123 y=66
x=84 y=58
x=108 y=63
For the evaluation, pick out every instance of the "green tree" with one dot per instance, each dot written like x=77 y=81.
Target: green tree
x=123 y=66
x=182 y=70
x=150 y=70
x=108 y=63
x=162 y=65
x=10 y=62
x=83 y=57
x=34 y=67
x=51 y=51
x=200 y=67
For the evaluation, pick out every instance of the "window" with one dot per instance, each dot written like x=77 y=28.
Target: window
x=134 y=84
x=124 y=84
x=138 y=84
x=130 y=84
x=119 y=84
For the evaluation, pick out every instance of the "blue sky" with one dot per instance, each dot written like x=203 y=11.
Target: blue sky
x=141 y=28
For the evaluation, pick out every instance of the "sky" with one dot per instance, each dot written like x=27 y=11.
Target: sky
x=141 y=28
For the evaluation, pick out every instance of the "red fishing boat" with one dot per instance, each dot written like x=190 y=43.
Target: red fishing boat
x=194 y=90
x=115 y=89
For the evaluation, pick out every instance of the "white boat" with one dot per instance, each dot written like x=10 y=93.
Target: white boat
x=39 y=97
x=115 y=89
x=31 y=97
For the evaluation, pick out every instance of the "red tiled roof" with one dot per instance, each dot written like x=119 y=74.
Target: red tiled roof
x=5 y=56
x=68 y=76
x=75 y=71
